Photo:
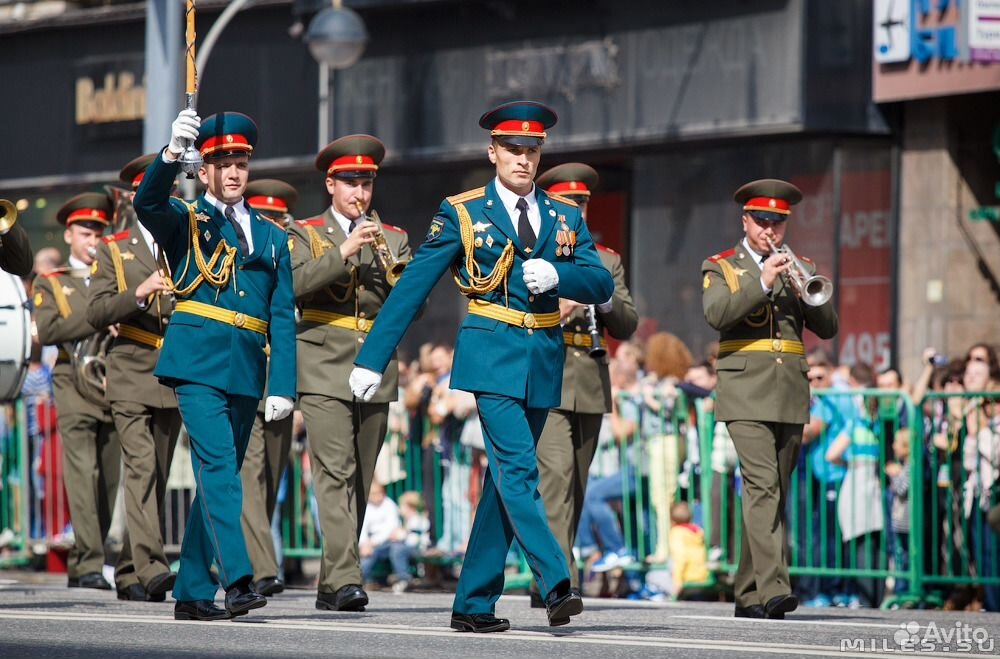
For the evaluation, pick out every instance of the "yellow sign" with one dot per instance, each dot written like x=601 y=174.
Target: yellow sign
x=118 y=99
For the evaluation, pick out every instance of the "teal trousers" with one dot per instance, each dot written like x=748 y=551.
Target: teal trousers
x=218 y=426
x=510 y=507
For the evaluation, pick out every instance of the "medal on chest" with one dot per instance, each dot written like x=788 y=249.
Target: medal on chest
x=565 y=239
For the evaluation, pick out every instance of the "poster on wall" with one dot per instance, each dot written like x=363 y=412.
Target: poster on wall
x=891 y=27
x=984 y=30
x=865 y=277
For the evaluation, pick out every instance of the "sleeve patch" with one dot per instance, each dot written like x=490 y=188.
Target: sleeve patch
x=38 y=299
x=437 y=226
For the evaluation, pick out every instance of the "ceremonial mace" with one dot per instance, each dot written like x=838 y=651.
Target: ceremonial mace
x=190 y=160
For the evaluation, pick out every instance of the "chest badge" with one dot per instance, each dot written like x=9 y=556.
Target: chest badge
x=489 y=241
x=565 y=239
x=201 y=217
x=207 y=234
x=480 y=227
x=127 y=256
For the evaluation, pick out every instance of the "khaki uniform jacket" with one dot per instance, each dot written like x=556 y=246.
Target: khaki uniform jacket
x=356 y=289
x=130 y=360
x=586 y=386
x=15 y=252
x=767 y=382
x=61 y=300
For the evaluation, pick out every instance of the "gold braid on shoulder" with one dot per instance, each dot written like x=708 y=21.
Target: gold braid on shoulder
x=214 y=272
x=318 y=246
x=480 y=284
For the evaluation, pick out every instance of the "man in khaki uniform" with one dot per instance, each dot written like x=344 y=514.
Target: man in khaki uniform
x=340 y=286
x=91 y=454
x=270 y=441
x=128 y=289
x=763 y=391
x=569 y=441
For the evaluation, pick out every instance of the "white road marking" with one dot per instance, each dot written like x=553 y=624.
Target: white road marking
x=568 y=637
x=797 y=621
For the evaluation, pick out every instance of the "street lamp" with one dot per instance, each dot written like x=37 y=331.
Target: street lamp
x=336 y=37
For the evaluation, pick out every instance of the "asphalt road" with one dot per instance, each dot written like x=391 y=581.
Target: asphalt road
x=41 y=618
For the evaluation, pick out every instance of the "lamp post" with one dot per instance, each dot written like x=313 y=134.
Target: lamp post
x=336 y=37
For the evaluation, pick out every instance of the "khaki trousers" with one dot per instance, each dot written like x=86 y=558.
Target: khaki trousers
x=148 y=437
x=565 y=451
x=767 y=453
x=263 y=466
x=344 y=442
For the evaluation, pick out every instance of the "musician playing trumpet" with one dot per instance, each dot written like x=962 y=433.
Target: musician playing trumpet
x=763 y=391
x=341 y=285
x=91 y=453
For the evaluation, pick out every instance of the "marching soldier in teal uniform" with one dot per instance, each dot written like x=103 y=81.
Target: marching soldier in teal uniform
x=569 y=441
x=270 y=441
x=341 y=285
x=763 y=391
x=232 y=277
x=514 y=251
x=91 y=454
x=128 y=289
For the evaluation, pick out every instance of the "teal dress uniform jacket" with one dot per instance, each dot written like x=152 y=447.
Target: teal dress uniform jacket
x=490 y=355
x=201 y=350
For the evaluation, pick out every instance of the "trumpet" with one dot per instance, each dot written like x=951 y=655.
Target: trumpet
x=392 y=266
x=8 y=216
x=815 y=290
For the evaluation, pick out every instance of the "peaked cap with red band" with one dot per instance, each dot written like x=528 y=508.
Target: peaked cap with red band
x=521 y=123
x=573 y=179
x=225 y=134
x=768 y=199
x=132 y=173
x=92 y=209
x=270 y=195
x=352 y=156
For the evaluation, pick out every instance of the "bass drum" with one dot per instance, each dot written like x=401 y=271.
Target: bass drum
x=15 y=336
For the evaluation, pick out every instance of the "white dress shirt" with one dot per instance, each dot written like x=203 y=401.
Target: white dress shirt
x=242 y=216
x=344 y=221
x=509 y=200
x=759 y=260
x=77 y=265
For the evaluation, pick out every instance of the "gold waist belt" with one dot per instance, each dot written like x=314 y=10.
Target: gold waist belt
x=227 y=316
x=762 y=345
x=138 y=335
x=337 y=320
x=64 y=356
x=578 y=340
x=512 y=316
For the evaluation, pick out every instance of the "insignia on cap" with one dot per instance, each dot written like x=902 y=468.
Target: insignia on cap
x=229 y=139
x=270 y=200
x=772 y=203
x=359 y=160
x=572 y=185
x=525 y=125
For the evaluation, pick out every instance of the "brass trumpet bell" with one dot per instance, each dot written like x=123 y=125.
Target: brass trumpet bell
x=8 y=215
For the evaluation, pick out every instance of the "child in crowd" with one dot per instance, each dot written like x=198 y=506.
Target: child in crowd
x=687 y=551
x=898 y=473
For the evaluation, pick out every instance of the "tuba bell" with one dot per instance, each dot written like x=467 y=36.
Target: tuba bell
x=8 y=215
x=88 y=359
x=815 y=290
x=392 y=266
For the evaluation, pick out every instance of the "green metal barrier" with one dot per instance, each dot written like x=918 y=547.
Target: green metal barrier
x=14 y=486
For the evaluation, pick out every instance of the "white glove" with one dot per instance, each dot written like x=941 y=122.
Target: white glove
x=607 y=306
x=364 y=383
x=277 y=408
x=540 y=275
x=183 y=131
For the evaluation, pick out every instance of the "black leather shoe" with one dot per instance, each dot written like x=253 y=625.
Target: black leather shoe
x=777 y=607
x=348 y=598
x=73 y=582
x=161 y=583
x=753 y=611
x=269 y=586
x=241 y=597
x=561 y=603
x=199 y=610
x=479 y=623
x=94 y=580
x=132 y=593
x=536 y=600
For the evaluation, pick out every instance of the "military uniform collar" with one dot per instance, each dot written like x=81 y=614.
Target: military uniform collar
x=751 y=254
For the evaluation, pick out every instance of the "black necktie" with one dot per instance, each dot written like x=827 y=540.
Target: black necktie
x=525 y=234
x=231 y=216
x=351 y=226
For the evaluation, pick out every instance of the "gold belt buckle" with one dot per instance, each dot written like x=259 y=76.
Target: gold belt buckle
x=776 y=345
x=363 y=324
x=529 y=320
x=240 y=320
x=577 y=339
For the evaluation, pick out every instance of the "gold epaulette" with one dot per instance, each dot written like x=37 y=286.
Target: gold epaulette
x=468 y=195
x=563 y=200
